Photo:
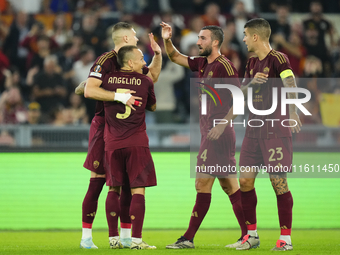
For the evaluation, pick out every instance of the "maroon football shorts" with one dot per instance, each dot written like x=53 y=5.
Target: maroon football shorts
x=217 y=158
x=275 y=154
x=131 y=165
x=95 y=154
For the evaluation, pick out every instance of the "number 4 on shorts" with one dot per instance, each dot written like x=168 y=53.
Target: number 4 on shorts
x=204 y=155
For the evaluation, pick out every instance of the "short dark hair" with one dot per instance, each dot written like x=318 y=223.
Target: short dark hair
x=123 y=54
x=216 y=33
x=261 y=26
x=121 y=25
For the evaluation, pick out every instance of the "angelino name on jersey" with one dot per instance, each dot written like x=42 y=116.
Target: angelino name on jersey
x=125 y=80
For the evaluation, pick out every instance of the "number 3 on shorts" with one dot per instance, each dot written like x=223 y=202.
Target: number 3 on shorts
x=204 y=155
x=278 y=152
x=127 y=112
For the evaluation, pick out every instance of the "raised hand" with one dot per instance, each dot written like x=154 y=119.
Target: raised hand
x=154 y=45
x=166 y=31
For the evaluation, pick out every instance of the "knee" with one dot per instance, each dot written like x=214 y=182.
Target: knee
x=227 y=189
x=202 y=186
x=246 y=184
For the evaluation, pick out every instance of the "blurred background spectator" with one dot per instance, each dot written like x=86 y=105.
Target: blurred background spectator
x=48 y=46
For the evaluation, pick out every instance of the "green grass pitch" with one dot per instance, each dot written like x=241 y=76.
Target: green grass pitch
x=44 y=191
x=206 y=242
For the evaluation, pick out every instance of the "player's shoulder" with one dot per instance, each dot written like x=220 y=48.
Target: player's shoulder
x=146 y=78
x=142 y=77
x=198 y=58
x=278 y=56
x=252 y=59
x=105 y=57
x=226 y=65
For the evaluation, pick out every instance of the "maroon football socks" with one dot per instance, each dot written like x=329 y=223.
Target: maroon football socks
x=249 y=202
x=125 y=201
x=235 y=200
x=112 y=212
x=137 y=212
x=198 y=213
x=285 y=207
x=90 y=202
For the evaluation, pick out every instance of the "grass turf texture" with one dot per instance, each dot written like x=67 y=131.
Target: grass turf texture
x=45 y=191
x=206 y=241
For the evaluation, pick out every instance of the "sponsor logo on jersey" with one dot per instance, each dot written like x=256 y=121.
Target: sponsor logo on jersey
x=96 y=74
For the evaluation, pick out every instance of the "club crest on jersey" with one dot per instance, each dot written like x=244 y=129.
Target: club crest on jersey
x=210 y=74
x=95 y=164
x=266 y=70
x=97 y=69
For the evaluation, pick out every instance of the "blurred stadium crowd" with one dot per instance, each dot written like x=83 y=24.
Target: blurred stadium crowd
x=48 y=46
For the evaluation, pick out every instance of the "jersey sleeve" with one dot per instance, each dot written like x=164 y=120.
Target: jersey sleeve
x=145 y=70
x=102 y=66
x=195 y=63
x=246 y=78
x=281 y=62
x=151 y=95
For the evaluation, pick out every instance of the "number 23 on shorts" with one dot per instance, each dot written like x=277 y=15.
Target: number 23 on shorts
x=276 y=154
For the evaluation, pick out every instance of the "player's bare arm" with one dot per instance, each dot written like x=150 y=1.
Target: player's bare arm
x=173 y=54
x=258 y=79
x=80 y=88
x=279 y=183
x=156 y=63
x=94 y=91
x=151 y=108
x=289 y=82
x=218 y=130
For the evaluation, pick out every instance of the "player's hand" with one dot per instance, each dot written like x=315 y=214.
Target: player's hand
x=80 y=88
x=133 y=101
x=166 y=31
x=216 y=132
x=259 y=78
x=297 y=128
x=154 y=46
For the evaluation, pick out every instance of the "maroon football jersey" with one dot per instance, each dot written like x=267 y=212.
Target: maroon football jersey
x=211 y=74
x=104 y=64
x=125 y=127
x=273 y=64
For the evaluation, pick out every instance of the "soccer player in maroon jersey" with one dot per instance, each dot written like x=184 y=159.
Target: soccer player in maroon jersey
x=122 y=34
x=271 y=144
x=210 y=64
x=127 y=153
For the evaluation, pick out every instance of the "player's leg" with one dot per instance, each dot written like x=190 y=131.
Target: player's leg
x=203 y=185
x=141 y=173
x=112 y=213
x=285 y=207
x=89 y=209
x=95 y=163
x=250 y=159
x=278 y=155
x=249 y=202
x=125 y=220
x=231 y=187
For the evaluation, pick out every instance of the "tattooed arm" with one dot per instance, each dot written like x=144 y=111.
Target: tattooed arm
x=289 y=82
x=173 y=54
